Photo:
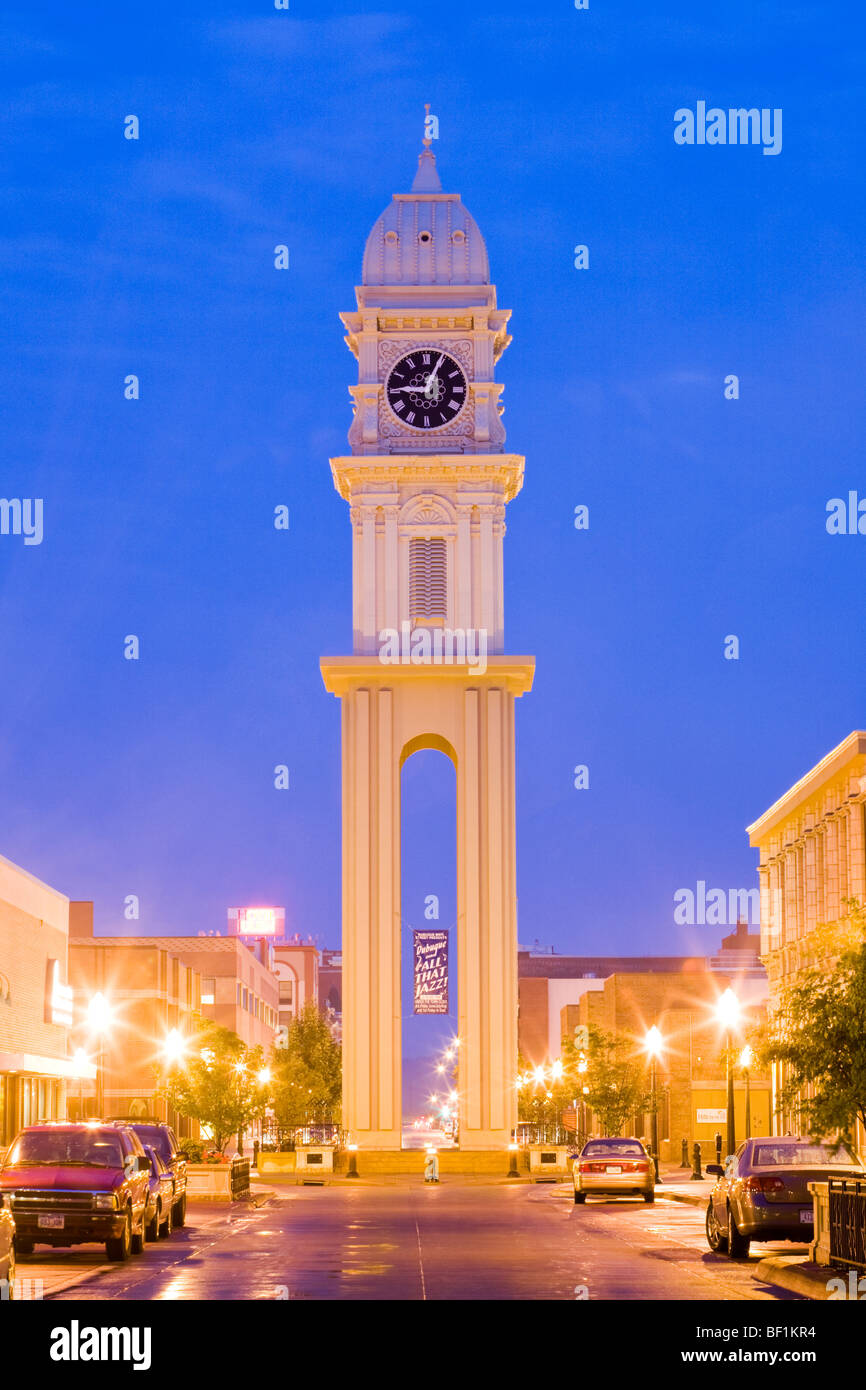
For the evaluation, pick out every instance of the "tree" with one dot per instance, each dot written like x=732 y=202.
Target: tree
x=818 y=1035
x=217 y=1083
x=307 y=1072
x=617 y=1081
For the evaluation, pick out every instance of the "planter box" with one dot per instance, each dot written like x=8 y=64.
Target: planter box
x=314 y=1161
x=276 y=1162
x=218 y=1182
x=548 y=1162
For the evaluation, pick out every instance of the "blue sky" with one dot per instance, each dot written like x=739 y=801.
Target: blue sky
x=707 y=516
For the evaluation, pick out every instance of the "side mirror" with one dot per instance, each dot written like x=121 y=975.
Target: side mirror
x=144 y=1164
x=716 y=1169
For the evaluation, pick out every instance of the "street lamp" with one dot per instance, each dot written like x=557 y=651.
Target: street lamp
x=747 y=1057
x=728 y=1013
x=653 y=1045
x=99 y=1017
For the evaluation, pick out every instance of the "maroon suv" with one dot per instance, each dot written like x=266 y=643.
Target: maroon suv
x=69 y=1184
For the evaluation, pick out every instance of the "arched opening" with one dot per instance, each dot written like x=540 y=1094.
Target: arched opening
x=428 y=940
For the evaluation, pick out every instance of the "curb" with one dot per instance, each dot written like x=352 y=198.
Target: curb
x=796 y=1274
x=697 y=1199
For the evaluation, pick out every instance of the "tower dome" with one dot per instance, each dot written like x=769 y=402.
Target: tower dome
x=425 y=237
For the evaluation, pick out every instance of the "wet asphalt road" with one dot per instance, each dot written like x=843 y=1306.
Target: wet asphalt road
x=449 y=1242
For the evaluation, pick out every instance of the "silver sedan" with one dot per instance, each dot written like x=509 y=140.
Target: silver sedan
x=615 y=1168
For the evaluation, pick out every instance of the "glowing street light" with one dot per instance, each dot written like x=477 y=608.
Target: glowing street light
x=653 y=1043
x=99 y=1013
x=557 y=1069
x=538 y=1076
x=174 y=1046
x=264 y=1076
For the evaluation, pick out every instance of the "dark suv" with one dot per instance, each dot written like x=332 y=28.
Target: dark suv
x=163 y=1138
x=69 y=1184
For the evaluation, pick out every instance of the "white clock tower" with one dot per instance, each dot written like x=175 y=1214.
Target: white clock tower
x=427 y=484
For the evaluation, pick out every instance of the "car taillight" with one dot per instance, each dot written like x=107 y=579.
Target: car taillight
x=765 y=1186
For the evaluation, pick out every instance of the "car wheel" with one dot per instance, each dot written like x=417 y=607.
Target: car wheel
x=649 y=1196
x=120 y=1247
x=24 y=1247
x=153 y=1225
x=179 y=1211
x=716 y=1239
x=139 y=1237
x=738 y=1244
x=10 y=1275
x=579 y=1196
x=166 y=1227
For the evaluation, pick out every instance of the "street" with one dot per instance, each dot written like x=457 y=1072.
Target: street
x=405 y=1241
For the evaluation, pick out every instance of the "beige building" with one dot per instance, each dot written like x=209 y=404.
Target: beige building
x=427 y=484
x=35 y=1003
x=812 y=845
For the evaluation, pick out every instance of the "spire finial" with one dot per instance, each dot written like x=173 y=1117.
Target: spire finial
x=427 y=142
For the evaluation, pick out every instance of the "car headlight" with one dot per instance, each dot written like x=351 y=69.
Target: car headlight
x=104 y=1201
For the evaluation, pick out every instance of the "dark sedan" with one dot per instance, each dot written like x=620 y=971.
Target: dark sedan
x=162 y=1137
x=160 y=1198
x=762 y=1192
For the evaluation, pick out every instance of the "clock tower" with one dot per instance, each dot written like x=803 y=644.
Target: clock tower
x=427 y=482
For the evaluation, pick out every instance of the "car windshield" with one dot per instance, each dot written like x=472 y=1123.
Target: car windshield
x=93 y=1148
x=803 y=1156
x=156 y=1138
x=612 y=1146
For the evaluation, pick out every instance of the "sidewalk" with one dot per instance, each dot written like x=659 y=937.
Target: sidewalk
x=677 y=1185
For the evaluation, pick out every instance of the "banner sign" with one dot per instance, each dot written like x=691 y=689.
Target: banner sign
x=431 y=971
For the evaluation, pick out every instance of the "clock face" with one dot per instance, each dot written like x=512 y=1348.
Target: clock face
x=426 y=389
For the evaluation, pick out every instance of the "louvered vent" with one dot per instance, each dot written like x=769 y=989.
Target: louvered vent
x=428 y=579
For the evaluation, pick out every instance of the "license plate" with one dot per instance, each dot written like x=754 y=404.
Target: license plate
x=806 y=1215
x=614 y=1168
x=50 y=1223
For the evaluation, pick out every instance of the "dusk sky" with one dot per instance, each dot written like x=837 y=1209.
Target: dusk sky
x=707 y=516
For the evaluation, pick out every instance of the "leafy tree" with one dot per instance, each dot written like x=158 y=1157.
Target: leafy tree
x=217 y=1083
x=818 y=1032
x=307 y=1072
x=617 y=1081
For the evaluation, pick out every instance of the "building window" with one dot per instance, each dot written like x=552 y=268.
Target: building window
x=428 y=579
x=208 y=989
x=286 y=987
x=240 y=995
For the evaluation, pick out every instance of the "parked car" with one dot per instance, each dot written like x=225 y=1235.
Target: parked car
x=614 y=1167
x=160 y=1198
x=163 y=1138
x=7 y=1251
x=69 y=1184
x=762 y=1191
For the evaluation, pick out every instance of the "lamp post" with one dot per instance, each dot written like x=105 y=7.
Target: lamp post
x=653 y=1045
x=747 y=1057
x=728 y=1012
x=99 y=1021
x=80 y=1060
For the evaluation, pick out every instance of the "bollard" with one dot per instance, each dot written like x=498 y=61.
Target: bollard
x=431 y=1166
x=718 y=1147
x=353 y=1161
x=685 y=1158
x=256 y=1147
x=512 y=1159
x=697 y=1175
